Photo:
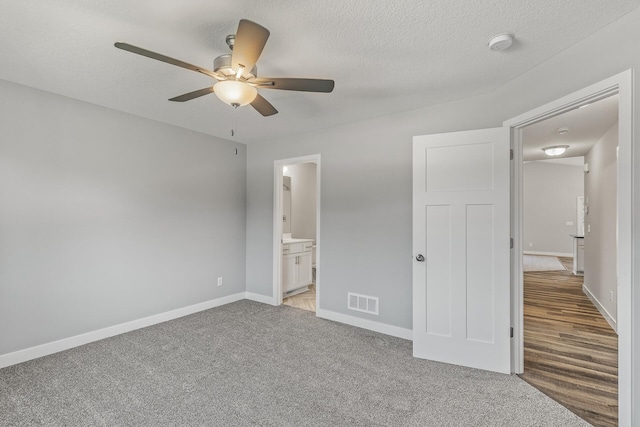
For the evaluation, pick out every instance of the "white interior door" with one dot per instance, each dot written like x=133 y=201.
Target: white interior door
x=461 y=291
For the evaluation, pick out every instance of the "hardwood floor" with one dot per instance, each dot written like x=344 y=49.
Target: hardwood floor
x=570 y=351
x=304 y=301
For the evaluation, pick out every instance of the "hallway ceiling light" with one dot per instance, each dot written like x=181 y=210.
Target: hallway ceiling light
x=556 y=150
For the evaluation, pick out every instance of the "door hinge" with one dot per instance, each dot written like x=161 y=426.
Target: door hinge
x=511 y=154
x=511 y=242
x=511 y=332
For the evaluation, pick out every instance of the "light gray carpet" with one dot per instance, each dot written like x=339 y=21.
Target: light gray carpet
x=541 y=263
x=250 y=364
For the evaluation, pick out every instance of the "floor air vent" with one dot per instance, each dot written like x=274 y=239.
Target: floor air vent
x=363 y=303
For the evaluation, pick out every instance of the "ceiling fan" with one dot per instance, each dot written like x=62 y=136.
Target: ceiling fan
x=236 y=73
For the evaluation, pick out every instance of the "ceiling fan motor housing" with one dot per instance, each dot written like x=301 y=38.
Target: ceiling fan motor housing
x=231 y=40
x=222 y=65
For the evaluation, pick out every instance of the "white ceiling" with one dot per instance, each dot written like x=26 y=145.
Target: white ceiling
x=385 y=56
x=586 y=126
x=571 y=161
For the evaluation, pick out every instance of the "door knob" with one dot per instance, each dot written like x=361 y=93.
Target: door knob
x=420 y=258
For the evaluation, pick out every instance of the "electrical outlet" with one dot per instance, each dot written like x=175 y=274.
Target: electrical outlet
x=611 y=296
x=588 y=228
x=530 y=244
x=219 y=281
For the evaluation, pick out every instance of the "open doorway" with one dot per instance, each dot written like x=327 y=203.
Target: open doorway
x=569 y=269
x=620 y=84
x=296 y=232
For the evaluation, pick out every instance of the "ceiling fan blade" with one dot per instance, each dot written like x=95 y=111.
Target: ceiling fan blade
x=159 y=57
x=249 y=42
x=263 y=106
x=303 y=85
x=192 y=95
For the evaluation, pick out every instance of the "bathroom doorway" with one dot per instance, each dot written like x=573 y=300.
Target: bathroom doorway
x=296 y=232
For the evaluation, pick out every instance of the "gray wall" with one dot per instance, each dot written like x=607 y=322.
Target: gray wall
x=600 y=245
x=366 y=176
x=106 y=217
x=549 y=200
x=303 y=200
x=365 y=215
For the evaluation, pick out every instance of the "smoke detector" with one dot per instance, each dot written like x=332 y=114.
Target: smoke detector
x=562 y=130
x=500 y=42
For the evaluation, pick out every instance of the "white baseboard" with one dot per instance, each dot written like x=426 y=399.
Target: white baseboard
x=259 y=298
x=78 y=340
x=371 y=325
x=562 y=254
x=86 y=338
x=608 y=317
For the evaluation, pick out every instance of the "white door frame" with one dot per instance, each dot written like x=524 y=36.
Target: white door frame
x=277 y=224
x=622 y=84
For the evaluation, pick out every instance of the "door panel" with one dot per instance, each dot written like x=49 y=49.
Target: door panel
x=459 y=167
x=289 y=273
x=480 y=278
x=461 y=224
x=304 y=269
x=438 y=298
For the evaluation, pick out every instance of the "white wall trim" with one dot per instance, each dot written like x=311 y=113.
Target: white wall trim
x=608 y=317
x=88 y=337
x=260 y=298
x=371 y=325
x=562 y=254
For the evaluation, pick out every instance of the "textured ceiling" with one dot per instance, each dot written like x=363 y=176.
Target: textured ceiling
x=385 y=56
x=586 y=126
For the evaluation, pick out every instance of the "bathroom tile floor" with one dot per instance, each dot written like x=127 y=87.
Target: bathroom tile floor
x=304 y=301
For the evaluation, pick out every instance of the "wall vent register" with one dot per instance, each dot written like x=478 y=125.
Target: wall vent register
x=363 y=303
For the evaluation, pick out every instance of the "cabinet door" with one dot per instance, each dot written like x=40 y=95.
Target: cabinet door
x=289 y=273
x=304 y=269
x=580 y=256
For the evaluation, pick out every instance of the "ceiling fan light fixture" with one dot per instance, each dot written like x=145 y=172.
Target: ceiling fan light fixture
x=236 y=73
x=556 y=150
x=234 y=92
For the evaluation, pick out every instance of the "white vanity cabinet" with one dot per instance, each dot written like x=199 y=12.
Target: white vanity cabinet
x=296 y=264
x=578 y=255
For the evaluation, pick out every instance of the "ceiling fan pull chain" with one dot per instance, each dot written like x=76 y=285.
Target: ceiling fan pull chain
x=233 y=121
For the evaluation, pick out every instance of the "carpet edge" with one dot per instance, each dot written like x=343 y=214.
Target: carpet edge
x=41 y=350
